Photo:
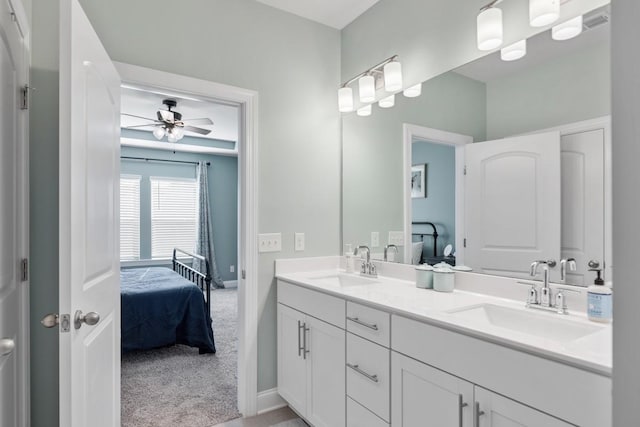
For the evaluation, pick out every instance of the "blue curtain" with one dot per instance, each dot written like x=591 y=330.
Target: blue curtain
x=204 y=233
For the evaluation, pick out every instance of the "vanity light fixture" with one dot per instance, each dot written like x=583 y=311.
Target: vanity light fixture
x=364 y=111
x=543 y=12
x=413 y=91
x=387 y=102
x=490 y=27
x=514 y=51
x=567 y=30
x=387 y=74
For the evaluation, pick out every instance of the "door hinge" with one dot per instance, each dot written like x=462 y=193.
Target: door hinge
x=464 y=243
x=244 y=274
x=465 y=169
x=24 y=270
x=24 y=97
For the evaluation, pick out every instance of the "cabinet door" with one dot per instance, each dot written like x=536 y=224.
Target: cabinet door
x=291 y=364
x=493 y=410
x=325 y=345
x=425 y=396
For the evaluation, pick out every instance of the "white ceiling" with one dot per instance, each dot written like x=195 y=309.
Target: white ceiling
x=334 y=13
x=145 y=102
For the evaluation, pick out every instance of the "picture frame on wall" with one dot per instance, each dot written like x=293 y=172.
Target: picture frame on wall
x=419 y=181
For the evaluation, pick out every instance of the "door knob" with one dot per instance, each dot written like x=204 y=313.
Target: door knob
x=51 y=320
x=7 y=346
x=91 y=318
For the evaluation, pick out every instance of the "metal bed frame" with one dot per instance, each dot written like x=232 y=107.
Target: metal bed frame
x=434 y=234
x=202 y=280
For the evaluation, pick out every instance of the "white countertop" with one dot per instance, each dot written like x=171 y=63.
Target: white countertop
x=591 y=352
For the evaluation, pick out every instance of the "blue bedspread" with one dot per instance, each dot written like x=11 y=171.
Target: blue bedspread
x=160 y=308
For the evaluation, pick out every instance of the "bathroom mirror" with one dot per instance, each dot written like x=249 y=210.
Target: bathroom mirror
x=420 y=147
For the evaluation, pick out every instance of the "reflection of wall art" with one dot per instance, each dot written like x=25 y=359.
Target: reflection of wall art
x=418 y=181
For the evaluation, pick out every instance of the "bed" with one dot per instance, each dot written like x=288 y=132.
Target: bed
x=163 y=306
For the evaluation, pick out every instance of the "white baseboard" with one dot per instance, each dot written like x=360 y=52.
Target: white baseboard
x=230 y=284
x=270 y=400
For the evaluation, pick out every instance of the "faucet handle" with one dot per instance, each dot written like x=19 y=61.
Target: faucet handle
x=533 y=296
x=372 y=269
x=561 y=303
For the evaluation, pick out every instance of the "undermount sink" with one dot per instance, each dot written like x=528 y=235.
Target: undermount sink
x=541 y=325
x=343 y=280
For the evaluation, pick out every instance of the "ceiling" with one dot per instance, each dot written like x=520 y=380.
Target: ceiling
x=145 y=102
x=334 y=13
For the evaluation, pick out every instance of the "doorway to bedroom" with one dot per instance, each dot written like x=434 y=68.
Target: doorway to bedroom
x=179 y=222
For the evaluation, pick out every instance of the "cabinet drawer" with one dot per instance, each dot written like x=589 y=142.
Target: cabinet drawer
x=369 y=323
x=368 y=377
x=359 y=416
x=321 y=306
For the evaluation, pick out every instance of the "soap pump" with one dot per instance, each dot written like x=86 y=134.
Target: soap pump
x=599 y=300
x=348 y=254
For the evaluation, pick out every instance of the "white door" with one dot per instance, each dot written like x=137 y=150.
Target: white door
x=12 y=342
x=512 y=206
x=89 y=216
x=292 y=365
x=325 y=373
x=583 y=203
x=425 y=396
x=493 y=410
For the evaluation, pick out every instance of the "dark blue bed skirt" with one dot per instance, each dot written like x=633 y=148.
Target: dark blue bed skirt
x=161 y=308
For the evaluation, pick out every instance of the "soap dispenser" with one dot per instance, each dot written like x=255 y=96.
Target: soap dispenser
x=348 y=254
x=599 y=300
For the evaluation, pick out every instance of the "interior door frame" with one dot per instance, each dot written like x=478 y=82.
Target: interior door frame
x=20 y=17
x=603 y=123
x=247 y=207
x=458 y=141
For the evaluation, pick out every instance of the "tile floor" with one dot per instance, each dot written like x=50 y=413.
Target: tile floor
x=264 y=420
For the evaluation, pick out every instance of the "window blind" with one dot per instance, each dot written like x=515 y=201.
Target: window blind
x=173 y=215
x=129 y=217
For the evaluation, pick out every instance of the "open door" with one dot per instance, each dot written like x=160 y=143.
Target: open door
x=512 y=205
x=89 y=226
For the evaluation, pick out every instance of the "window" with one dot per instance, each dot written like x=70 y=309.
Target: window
x=173 y=215
x=129 y=217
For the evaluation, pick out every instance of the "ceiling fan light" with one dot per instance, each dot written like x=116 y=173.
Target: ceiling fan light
x=567 y=30
x=345 y=99
x=392 y=76
x=159 y=132
x=172 y=138
x=514 y=51
x=178 y=132
x=367 y=88
x=543 y=12
x=413 y=91
x=490 y=28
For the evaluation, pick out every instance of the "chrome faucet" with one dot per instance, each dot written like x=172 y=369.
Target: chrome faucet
x=571 y=263
x=367 y=268
x=545 y=298
x=386 y=248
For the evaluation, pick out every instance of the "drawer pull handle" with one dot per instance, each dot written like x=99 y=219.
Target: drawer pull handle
x=300 y=346
x=461 y=406
x=373 y=378
x=479 y=413
x=365 y=324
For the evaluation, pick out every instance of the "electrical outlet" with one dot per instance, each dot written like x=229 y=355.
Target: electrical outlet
x=232 y=269
x=299 y=242
x=270 y=242
x=375 y=239
x=396 y=238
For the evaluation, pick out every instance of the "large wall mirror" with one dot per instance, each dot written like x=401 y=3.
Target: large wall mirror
x=507 y=161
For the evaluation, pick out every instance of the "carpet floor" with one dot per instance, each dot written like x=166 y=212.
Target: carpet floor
x=176 y=386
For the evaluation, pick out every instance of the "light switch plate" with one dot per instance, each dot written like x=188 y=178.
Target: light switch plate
x=299 y=242
x=396 y=238
x=375 y=239
x=270 y=242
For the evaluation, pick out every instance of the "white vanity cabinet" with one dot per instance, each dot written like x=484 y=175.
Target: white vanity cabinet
x=311 y=355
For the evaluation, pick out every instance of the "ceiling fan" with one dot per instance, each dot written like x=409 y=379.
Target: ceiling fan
x=170 y=124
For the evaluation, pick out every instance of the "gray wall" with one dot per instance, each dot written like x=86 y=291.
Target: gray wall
x=440 y=205
x=373 y=153
x=566 y=90
x=626 y=211
x=293 y=63
x=223 y=198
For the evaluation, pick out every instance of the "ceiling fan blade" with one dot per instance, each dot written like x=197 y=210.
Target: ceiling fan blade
x=203 y=121
x=142 y=126
x=194 y=129
x=139 y=117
